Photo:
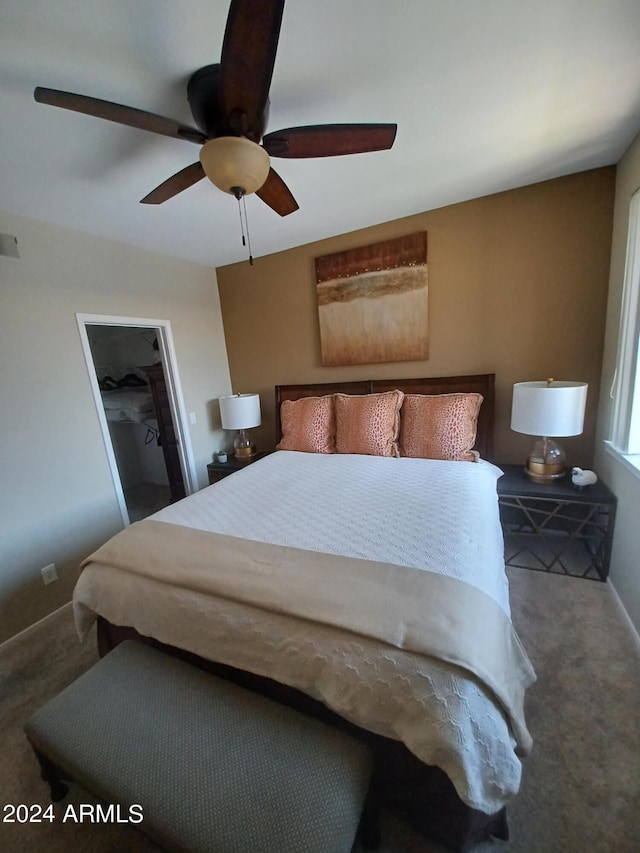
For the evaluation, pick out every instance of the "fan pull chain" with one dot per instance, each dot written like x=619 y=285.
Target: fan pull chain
x=246 y=222
x=240 y=197
x=244 y=243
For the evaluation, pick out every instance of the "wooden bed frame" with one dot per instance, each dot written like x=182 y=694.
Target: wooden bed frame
x=483 y=383
x=421 y=793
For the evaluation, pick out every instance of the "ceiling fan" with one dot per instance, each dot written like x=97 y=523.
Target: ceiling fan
x=230 y=106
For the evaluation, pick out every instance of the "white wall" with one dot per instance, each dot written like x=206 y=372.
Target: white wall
x=57 y=500
x=625 y=561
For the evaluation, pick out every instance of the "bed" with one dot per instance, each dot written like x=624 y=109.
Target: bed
x=303 y=576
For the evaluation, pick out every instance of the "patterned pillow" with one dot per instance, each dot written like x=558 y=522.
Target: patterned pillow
x=440 y=426
x=368 y=423
x=308 y=424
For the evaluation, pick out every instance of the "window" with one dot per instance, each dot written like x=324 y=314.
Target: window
x=625 y=434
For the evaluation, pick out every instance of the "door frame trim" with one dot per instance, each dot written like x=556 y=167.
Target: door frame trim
x=174 y=391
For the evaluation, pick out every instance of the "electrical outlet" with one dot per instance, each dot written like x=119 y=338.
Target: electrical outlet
x=49 y=574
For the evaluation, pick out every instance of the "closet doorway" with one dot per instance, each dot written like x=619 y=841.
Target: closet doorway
x=134 y=379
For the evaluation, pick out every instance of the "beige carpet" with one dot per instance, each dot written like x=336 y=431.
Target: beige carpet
x=581 y=787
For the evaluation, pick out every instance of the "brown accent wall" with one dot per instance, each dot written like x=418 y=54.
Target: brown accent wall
x=517 y=287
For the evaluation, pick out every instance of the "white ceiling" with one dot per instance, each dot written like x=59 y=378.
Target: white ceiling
x=487 y=94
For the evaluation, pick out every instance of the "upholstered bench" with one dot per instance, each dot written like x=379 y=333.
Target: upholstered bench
x=211 y=766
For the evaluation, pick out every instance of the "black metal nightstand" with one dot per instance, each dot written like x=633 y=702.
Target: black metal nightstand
x=556 y=527
x=219 y=470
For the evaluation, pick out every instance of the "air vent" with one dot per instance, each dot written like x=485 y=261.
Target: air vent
x=9 y=246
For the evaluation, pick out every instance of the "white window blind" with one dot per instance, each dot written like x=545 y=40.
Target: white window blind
x=625 y=433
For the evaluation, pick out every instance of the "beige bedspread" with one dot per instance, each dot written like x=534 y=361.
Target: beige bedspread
x=411 y=609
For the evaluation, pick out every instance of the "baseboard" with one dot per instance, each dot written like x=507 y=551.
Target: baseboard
x=625 y=615
x=35 y=625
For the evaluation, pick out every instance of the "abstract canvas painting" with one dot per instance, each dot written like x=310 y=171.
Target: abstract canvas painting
x=372 y=303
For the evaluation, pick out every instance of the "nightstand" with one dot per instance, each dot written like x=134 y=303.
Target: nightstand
x=219 y=470
x=556 y=527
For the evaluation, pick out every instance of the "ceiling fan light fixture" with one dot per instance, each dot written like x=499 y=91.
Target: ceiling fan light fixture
x=235 y=162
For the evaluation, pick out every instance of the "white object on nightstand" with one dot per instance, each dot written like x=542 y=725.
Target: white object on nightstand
x=580 y=477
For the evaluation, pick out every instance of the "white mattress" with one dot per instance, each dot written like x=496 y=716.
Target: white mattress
x=401 y=511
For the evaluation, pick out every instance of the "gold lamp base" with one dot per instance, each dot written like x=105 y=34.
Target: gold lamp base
x=244 y=454
x=546 y=462
x=243 y=448
x=544 y=472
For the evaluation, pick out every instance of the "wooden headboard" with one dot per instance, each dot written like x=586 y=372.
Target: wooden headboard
x=483 y=383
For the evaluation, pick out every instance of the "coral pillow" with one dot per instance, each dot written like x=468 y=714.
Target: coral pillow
x=308 y=424
x=440 y=426
x=368 y=423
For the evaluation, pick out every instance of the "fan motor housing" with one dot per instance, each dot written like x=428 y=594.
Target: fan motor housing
x=203 y=94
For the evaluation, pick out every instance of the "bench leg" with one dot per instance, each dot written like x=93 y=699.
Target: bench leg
x=51 y=775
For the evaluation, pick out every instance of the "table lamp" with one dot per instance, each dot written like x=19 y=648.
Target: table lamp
x=548 y=409
x=241 y=412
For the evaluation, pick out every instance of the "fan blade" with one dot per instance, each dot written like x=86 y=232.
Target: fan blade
x=182 y=180
x=118 y=113
x=277 y=194
x=329 y=140
x=246 y=63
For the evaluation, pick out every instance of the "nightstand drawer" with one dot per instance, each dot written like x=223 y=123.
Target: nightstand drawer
x=216 y=476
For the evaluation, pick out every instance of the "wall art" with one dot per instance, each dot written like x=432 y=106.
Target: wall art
x=372 y=303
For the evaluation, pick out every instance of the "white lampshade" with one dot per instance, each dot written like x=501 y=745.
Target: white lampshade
x=240 y=411
x=548 y=408
x=235 y=163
